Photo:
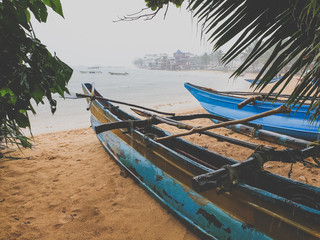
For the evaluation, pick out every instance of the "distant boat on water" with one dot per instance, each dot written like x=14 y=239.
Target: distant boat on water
x=118 y=73
x=90 y=71
x=272 y=81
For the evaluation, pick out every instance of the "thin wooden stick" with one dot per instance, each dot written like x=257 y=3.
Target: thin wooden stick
x=93 y=97
x=281 y=109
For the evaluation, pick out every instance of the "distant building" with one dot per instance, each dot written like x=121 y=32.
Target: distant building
x=182 y=60
x=150 y=61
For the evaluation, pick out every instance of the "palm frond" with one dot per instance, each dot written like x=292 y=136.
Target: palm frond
x=291 y=28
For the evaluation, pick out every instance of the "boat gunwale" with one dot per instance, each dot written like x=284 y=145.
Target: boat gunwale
x=235 y=97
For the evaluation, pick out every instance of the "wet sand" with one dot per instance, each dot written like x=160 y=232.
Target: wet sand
x=68 y=187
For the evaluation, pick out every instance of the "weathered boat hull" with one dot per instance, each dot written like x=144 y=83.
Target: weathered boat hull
x=293 y=124
x=245 y=213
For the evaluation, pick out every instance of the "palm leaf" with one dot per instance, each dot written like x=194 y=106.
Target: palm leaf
x=291 y=27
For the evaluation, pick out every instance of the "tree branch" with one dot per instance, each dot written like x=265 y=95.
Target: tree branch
x=138 y=15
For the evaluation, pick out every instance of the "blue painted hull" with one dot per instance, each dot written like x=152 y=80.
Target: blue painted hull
x=294 y=124
x=246 y=213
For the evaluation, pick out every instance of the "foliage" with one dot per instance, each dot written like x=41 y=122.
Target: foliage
x=157 y=4
x=291 y=28
x=28 y=71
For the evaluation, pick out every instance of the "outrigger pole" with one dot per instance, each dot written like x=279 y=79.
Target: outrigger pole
x=173 y=122
x=248 y=129
x=154 y=120
x=226 y=176
x=281 y=109
x=266 y=135
x=93 y=97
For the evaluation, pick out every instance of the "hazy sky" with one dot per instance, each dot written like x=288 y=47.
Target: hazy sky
x=88 y=36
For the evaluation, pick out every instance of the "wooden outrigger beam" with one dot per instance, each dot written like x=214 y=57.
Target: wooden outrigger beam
x=248 y=129
x=266 y=135
x=93 y=97
x=153 y=119
x=228 y=175
x=308 y=151
x=281 y=109
x=172 y=121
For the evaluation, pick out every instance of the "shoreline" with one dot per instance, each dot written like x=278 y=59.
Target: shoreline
x=72 y=114
x=60 y=121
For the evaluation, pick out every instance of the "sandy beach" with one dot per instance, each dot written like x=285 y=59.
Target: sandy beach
x=68 y=187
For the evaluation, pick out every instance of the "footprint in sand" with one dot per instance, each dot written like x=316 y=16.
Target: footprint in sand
x=65 y=217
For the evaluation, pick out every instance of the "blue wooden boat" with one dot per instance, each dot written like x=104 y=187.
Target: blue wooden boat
x=294 y=124
x=260 y=206
x=272 y=81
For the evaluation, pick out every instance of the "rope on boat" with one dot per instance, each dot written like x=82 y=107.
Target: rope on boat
x=315 y=143
x=150 y=121
x=290 y=170
x=254 y=130
x=233 y=178
x=258 y=155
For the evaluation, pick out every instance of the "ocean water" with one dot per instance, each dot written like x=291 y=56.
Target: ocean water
x=163 y=90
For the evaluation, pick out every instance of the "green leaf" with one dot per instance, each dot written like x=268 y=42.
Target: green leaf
x=22 y=120
x=27 y=15
x=7 y=94
x=23 y=15
x=6 y=91
x=37 y=94
x=55 y=5
x=39 y=10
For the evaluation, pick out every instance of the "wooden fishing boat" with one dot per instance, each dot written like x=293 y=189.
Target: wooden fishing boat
x=260 y=205
x=272 y=81
x=225 y=104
